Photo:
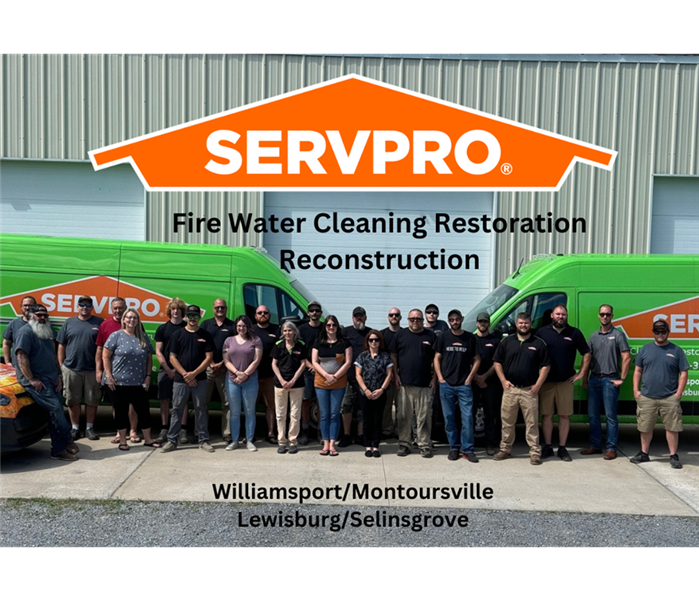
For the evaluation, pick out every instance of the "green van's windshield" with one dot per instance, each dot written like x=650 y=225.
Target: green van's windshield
x=489 y=304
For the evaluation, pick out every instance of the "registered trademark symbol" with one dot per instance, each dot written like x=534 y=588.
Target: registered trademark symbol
x=506 y=168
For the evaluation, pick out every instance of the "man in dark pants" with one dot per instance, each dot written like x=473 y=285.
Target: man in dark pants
x=13 y=327
x=308 y=332
x=487 y=391
x=388 y=426
x=39 y=373
x=269 y=336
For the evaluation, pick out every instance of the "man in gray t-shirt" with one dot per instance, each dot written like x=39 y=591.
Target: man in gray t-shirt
x=38 y=373
x=76 y=356
x=13 y=327
x=658 y=384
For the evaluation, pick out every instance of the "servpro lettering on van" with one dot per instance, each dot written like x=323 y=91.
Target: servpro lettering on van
x=310 y=147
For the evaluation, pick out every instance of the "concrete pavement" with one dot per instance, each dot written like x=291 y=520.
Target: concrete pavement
x=588 y=484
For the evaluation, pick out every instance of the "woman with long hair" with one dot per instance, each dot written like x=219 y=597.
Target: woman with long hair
x=128 y=358
x=242 y=354
x=374 y=371
x=331 y=358
x=288 y=364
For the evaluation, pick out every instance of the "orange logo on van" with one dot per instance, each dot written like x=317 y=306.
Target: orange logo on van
x=683 y=318
x=61 y=300
x=353 y=133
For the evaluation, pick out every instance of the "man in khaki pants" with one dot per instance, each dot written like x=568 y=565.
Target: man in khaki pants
x=522 y=363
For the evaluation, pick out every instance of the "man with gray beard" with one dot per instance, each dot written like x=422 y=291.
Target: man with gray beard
x=40 y=375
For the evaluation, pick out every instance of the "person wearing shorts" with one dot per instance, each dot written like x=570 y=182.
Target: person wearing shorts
x=659 y=380
x=563 y=342
x=77 y=344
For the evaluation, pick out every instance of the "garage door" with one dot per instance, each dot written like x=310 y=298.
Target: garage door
x=675 y=222
x=376 y=289
x=71 y=199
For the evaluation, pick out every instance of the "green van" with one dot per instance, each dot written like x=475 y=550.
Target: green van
x=641 y=288
x=57 y=271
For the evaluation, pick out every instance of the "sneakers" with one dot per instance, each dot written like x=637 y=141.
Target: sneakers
x=206 y=447
x=453 y=455
x=426 y=453
x=591 y=450
x=73 y=448
x=293 y=449
x=91 y=435
x=491 y=450
x=183 y=439
x=65 y=455
x=501 y=455
x=471 y=457
x=563 y=454
x=169 y=447
x=281 y=450
x=345 y=441
x=162 y=436
x=376 y=453
x=232 y=446
x=303 y=438
x=641 y=457
x=250 y=446
x=546 y=452
x=368 y=454
x=75 y=434
x=534 y=459
x=610 y=455
x=403 y=451
x=675 y=461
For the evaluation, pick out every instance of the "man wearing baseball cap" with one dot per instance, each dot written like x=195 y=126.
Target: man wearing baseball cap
x=487 y=389
x=191 y=351
x=658 y=384
x=308 y=332
x=355 y=335
x=39 y=373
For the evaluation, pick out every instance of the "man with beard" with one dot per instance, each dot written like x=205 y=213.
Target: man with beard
x=355 y=335
x=13 y=328
x=40 y=375
x=76 y=357
x=388 y=426
x=412 y=356
x=487 y=391
x=269 y=336
x=563 y=342
x=308 y=332
x=455 y=364
x=522 y=364
x=107 y=328
x=220 y=327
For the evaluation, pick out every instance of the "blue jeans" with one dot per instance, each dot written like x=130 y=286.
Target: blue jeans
x=450 y=396
x=601 y=389
x=59 y=428
x=246 y=394
x=329 y=404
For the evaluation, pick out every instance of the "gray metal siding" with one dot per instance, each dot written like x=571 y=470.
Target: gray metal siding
x=60 y=106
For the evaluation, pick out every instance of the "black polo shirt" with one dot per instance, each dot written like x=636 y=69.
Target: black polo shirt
x=458 y=352
x=164 y=334
x=562 y=348
x=356 y=339
x=190 y=348
x=388 y=336
x=522 y=361
x=288 y=362
x=485 y=347
x=219 y=334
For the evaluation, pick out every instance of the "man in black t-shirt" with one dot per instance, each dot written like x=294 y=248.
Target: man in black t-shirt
x=522 y=364
x=412 y=356
x=191 y=351
x=487 y=391
x=388 y=425
x=308 y=332
x=455 y=364
x=269 y=335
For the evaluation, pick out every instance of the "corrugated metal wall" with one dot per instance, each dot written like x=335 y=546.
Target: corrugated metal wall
x=59 y=107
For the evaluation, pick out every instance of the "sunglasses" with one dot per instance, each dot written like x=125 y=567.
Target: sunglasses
x=373 y=341
x=262 y=312
x=84 y=305
x=415 y=319
x=605 y=314
x=220 y=307
x=314 y=310
x=431 y=312
x=483 y=321
x=660 y=331
x=331 y=324
x=193 y=316
x=42 y=315
x=394 y=315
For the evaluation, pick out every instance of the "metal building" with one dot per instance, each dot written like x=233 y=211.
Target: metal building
x=54 y=108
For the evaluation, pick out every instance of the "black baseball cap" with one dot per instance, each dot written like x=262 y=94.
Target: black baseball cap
x=661 y=324
x=38 y=308
x=358 y=310
x=315 y=304
x=193 y=309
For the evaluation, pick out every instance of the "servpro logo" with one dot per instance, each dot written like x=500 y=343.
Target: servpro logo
x=61 y=300
x=683 y=318
x=352 y=133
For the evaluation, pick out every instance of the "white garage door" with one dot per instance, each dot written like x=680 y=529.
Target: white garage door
x=378 y=290
x=71 y=199
x=675 y=224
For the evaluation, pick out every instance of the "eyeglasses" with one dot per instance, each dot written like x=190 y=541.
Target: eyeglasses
x=660 y=331
x=373 y=341
x=314 y=310
x=193 y=316
x=220 y=307
x=415 y=319
x=394 y=315
x=432 y=312
x=331 y=324
x=42 y=315
x=262 y=312
x=605 y=314
x=483 y=321
x=84 y=305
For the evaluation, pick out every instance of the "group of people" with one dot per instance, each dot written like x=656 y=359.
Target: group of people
x=387 y=380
